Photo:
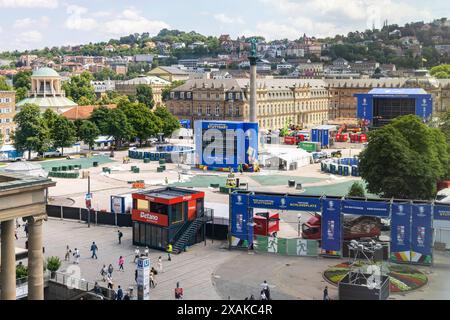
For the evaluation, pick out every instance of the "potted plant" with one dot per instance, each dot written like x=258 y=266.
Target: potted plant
x=53 y=264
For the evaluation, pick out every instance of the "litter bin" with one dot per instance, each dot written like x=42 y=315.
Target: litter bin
x=159 y=169
x=162 y=161
x=291 y=183
x=146 y=160
x=95 y=163
x=136 y=170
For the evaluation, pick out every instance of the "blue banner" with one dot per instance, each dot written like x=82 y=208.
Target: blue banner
x=240 y=217
x=401 y=232
x=365 y=107
x=441 y=212
x=366 y=208
x=331 y=226
x=424 y=106
x=285 y=203
x=421 y=233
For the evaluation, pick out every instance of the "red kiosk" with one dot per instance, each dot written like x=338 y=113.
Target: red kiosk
x=163 y=216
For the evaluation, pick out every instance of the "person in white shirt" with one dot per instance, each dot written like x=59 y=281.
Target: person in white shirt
x=160 y=266
x=146 y=251
x=76 y=254
x=136 y=254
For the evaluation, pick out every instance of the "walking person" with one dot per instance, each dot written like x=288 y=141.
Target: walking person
x=135 y=275
x=136 y=254
x=152 y=280
x=160 y=266
x=119 y=294
x=104 y=272
x=120 y=235
x=325 y=293
x=94 y=249
x=76 y=255
x=146 y=252
x=15 y=234
x=97 y=289
x=68 y=252
x=110 y=270
x=263 y=295
x=121 y=262
x=110 y=282
x=169 y=251
x=178 y=292
x=25 y=228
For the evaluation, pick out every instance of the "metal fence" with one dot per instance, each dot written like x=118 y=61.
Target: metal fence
x=74 y=282
x=96 y=217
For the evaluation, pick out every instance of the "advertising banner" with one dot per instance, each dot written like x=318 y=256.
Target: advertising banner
x=424 y=106
x=366 y=208
x=441 y=212
x=117 y=204
x=285 y=203
x=331 y=227
x=150 y=217
x=421 y=234
x=241 y=231
x=401 y=232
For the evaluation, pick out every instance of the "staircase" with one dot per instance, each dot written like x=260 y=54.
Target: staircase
x=187 y=234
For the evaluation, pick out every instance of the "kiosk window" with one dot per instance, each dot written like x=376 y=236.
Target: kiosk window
x=136 y=232
x=142 y=233
x=142 y=205
x=177 y=212
x=158 y=208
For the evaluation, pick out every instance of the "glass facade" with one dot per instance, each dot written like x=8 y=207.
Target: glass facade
x=146 y=234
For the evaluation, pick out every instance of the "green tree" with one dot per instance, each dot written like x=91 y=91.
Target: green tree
x=441 y=71
x=3 y=85
x=357 y=190
x=404 y=159
x=63 y=133
x=32 y=133
x=144 y=94
x=169 y=122
x=80 y=86
x=117 y=126
x=144 y=123
x=21 y=93
x=84 y=101
x=22 y=79
x=100 y=118
x=50 y=118
x=88 y=132
x=53 y=264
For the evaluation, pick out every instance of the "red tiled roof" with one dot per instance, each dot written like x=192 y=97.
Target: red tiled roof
x=83 y=112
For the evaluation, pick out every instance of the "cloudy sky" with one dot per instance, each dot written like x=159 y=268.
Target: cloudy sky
x=27 y=24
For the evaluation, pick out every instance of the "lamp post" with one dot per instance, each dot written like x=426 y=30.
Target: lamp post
x=89 y=199
x=299 y=223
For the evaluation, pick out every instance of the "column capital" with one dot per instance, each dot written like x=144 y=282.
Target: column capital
x=37 y=218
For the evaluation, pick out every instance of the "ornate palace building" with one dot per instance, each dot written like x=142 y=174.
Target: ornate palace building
x=280 y=102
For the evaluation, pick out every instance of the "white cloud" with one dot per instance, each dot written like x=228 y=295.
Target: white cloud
x=101 y=14
x=272 y=30
x=28 y=23
x=29 y=37
x=77 y=21
x=227 y=19
x=131 y=21
x=326 y=17
x=29 y=4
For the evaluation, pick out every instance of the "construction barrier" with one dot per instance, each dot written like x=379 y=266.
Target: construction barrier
x=290 y=247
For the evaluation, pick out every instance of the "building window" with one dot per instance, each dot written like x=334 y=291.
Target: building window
x=230 y=96
x=230 y=110
x=237 y=112
x=199 y=110
x=172 y=95
x=142 y=205
x=217 y=109
x=177 y=213
x=181 y=95
x=238 y=95
x=208 y=110
x=158 y=208
x=188 y=95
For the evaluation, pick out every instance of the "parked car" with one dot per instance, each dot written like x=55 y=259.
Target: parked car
x=50 y=153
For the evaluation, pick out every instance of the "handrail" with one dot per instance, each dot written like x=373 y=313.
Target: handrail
x=80 y=284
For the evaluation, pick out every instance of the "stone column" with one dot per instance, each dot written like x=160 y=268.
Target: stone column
x=35 y=259
x=8 y=274
x=253 y=111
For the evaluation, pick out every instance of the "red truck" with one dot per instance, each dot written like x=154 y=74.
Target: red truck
x=354 y=228
x=294 y=139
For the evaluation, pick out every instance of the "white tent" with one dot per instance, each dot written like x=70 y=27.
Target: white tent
x=285 y=158
x=26 y=168
x=183 y=133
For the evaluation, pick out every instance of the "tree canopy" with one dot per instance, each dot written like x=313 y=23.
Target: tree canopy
x=405 y=159
x=144 y=123
x=88 y=132
x=80 y=89
x=169 y=122
x=3 y=85
x=144 y=94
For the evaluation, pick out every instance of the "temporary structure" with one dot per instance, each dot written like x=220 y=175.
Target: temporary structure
x=26 y=168
x=285 y=158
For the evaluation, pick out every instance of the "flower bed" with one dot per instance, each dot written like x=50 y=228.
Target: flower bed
x=402 y=278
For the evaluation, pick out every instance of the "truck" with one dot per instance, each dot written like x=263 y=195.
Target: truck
x=355 y=227
x=294 y=138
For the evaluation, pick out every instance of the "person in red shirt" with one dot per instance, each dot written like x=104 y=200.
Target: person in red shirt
x=178 y=292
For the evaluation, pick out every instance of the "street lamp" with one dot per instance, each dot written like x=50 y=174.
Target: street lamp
x=299 y=220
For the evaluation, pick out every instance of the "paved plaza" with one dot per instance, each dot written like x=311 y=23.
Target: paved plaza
x=213 y=271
